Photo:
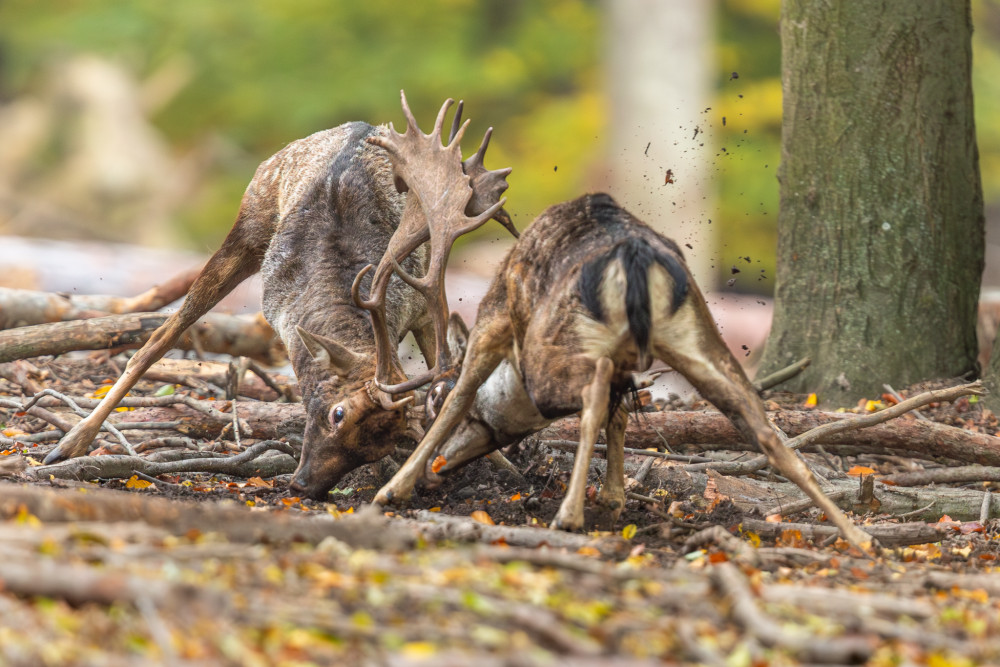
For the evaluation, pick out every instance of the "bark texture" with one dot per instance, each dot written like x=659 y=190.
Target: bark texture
x=880 y=245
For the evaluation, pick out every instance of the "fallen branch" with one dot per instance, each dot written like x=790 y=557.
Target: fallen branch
x=783 y=375
x=803 y=644
x=957 y=475
x=20 y=307
x=826 y=432
x=709 y=431
x=244 y=464
x=237 y=335
x=888 y=534
x=440 y=527
x=237 y=523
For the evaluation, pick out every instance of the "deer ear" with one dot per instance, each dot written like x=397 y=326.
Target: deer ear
x=329 y=353
x=458 y=336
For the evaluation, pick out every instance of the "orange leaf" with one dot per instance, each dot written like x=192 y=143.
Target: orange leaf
x=717 y=557
x=857 y=471
x=291 y=501
x=438 y=463
x=257 y=481
x=516 y=496
x=482 y=517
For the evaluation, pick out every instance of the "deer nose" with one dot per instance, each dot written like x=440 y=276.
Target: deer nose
x=298 y=485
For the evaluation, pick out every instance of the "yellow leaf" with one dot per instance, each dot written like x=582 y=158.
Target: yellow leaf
x=811 y=401
x=628 y=532
x=135 y=483
x=25 y=517
x=418 y=650
x=753 y=539
x=434 y=509
x=482 y=517
x=872 y=406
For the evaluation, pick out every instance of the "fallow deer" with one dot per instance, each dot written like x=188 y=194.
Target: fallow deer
x=313 y=216
x=588 y=296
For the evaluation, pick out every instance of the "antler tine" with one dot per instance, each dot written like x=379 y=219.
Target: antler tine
x=439 y=123
x=487 y=185
x=456 y=122
x=410 y=120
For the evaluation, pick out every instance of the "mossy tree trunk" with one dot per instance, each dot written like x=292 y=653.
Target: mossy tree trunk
x=880 y=242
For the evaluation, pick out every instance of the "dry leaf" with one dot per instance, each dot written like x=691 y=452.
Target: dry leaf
x=135 y=483
x=482 y=517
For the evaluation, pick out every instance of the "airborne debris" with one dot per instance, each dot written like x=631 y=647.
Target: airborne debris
x=669 y=177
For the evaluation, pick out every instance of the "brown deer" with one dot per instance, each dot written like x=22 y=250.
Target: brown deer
x=588 y=296
x=315 y=215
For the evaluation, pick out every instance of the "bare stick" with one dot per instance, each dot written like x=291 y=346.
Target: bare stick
x=828 y=430
x=782 y=375
x=899 y=399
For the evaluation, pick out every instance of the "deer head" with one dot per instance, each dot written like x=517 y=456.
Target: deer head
x=359 y=414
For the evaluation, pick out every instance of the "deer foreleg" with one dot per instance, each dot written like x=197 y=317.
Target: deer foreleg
x=229 y=266
x=593 y=417
x=488 y=345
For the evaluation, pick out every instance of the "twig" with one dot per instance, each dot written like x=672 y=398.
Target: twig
x=787 y=509
x=803 y=644
x=782 y=375
x=571 y=446
x=726 y=541
x=899 y=399
x=106 y=426
x=917 y=512
x=827 y=430
x=984 y=512
x=123 y=467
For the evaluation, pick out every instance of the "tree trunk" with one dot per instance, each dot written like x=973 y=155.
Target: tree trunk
x=880 y=243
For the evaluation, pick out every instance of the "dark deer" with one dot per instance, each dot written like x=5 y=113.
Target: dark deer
x=315 y=215
x=588 y=296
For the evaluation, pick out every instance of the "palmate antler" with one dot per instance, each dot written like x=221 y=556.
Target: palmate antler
x=447 y=198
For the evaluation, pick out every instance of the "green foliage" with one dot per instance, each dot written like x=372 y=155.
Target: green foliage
x=263 y=73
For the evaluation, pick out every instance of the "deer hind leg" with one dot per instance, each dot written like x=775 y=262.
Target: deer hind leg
x=489 y=343
x=691 y=345
x=594 y=415
x=239 y=257
x=612 y=496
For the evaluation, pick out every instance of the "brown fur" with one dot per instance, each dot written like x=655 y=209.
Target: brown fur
x=536 y=345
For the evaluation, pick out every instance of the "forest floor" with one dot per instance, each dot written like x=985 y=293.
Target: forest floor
x=206 y=568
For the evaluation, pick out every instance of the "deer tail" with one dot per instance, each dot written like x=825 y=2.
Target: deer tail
x=634 y=258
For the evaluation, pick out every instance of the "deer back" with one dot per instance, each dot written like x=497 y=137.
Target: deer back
x=336 y=209
x=585 y=280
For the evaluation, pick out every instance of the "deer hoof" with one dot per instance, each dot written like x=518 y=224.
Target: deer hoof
x=568 y=521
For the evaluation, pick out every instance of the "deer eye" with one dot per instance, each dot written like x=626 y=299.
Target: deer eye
x=337 y=415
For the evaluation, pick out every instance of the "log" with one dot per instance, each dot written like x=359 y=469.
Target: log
x=237 y=335
x=706 y=431
x=21 y=307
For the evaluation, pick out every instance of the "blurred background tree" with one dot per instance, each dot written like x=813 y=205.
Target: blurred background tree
x=227 y=84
